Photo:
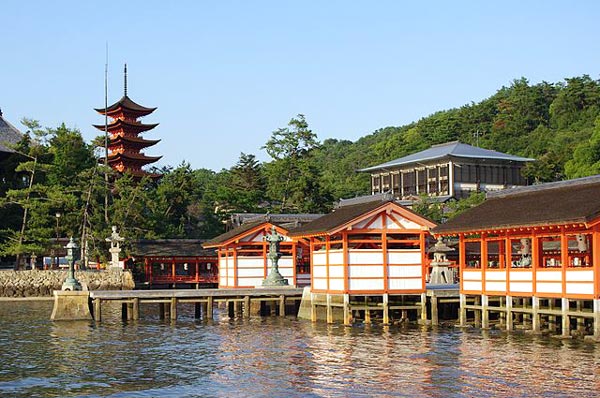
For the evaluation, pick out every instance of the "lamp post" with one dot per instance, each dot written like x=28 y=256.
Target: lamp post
x=274 y=278
x=57 y=237
x=71 y=283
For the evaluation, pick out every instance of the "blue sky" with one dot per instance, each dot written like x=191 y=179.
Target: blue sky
x=225 y=74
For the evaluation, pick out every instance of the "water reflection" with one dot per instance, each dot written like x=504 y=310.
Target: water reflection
x=273 y=357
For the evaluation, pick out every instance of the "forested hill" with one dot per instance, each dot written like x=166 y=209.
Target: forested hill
x=551 y=122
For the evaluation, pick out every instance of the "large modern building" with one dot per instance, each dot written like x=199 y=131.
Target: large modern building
x=450 y=170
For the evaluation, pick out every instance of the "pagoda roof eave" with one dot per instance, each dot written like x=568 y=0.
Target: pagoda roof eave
x=140 y=158
x=126 y=103
x=120 y=122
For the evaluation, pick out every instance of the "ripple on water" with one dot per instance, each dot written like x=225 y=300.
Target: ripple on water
x=273 y=357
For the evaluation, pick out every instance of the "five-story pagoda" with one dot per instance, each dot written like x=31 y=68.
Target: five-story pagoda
x=124 y=144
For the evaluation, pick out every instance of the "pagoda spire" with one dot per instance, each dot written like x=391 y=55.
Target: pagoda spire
x=125 y=78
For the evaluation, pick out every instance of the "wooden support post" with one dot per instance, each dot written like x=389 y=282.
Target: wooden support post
x=566 y=320
x=197 y=310
x=404 y=316
x=236 y=308
x=135 y=307
x=161 y=310
x=313 y=308
x=551 y=318
x=435 y=320
x=423 y=307
x=580 y=319
x=329 y=309
x=509 y=313
x=246 y=306
x=230 y=309
x=386 y=309
x=129 y=311
x=173 y=308
x=282 y=305
x=597 y=319
x=502 y=314
x=526 y=316
x=485 y=315
x=535 y=316
x=98 y=310
x=347 y=315
x=209 y=308
x=462 y=311
x=478 y=312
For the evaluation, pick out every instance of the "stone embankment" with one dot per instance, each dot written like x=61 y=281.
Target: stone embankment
x=36 y=283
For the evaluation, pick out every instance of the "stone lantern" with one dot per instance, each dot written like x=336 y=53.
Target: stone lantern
x=441 y=274
x=274 y=278
x=71 y=283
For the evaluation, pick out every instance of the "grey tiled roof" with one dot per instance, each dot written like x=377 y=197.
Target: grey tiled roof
x=455 y=149
x=9 y=134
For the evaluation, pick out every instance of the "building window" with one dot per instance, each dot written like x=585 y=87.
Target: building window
x=580 y=250
x=496 y=254
x=396 y=183
x=520 y=253
x=550 y=252
x=473 y=254
x=421 y=181
x=409 y=181
x=432 y=180
x=376 y=183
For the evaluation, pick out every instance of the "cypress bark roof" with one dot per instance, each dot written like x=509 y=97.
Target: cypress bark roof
x=171 y=248
x=574 y=201
x=241 y=230
x=343 y=215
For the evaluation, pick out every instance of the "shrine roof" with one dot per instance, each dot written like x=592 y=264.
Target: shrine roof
x=346 y=213
x=126 y=103
x=565 y=202
x=449 y=149
x=241 y=230
x=171 y=248
x=9 y=134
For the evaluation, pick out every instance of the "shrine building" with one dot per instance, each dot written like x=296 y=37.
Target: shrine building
x=125 y=144
x=532 y=255
x=242 y=255
x=444 y=171
x=367 y=255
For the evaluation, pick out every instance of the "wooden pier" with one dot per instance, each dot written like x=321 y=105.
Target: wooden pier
x=236 y=300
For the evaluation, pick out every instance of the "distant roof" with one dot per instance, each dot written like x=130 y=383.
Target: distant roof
x=565 y=202
x=9 y=134
x=454 y=149
x=171 y=248
x=284 y=220
x=345 y=214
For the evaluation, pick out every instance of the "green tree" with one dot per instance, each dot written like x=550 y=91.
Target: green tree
x=586 y=157
x=290 y=178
